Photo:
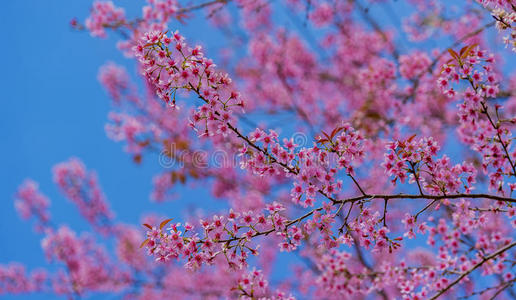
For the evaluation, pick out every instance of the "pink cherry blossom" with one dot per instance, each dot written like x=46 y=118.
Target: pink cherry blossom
x=348 y=163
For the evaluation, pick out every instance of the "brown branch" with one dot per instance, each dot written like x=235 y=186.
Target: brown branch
x=503 y=288
x=413 y=169
x=266 y=232
x=202 y=5
x=358 y=185
x=258 y=148
x=362 y=260
x=504 y=146
x=496 y=127
x=378 y=196
x=435 y=197
x=484 y=260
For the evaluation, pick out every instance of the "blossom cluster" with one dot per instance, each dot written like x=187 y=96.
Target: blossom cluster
x=87 y=265
x=506 y=21
x=104 y=14
x=414 y=159
x=81 y=187
x=115 y=79
x=253 y=285
x=373 y=177
x=264 y=155
x=15 y=280
x=480 y=123
x=313 y=168
x=31 y=202
x=171 y=66
x=82 y=266
x=228 y=235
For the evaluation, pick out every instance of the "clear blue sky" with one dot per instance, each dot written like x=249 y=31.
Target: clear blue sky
x=53 y=108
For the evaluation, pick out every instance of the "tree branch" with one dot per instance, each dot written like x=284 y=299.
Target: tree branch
x=485 y=259
x=435 y=197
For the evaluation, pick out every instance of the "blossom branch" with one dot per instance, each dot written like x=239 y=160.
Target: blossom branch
x=476 y=266
x=426 y=196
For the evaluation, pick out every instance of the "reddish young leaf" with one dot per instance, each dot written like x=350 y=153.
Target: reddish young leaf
x=453 y=53
x=411 y=138
x=144 y=243
x=335 y=131
x=162 y=224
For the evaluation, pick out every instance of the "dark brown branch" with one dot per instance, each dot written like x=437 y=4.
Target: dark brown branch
x=385 y=197
x=362 y=260
x=435 y=197
x=484 y=260
x=202 y=5
x=358 y=185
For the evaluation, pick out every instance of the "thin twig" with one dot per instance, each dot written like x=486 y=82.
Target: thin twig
x=485 y=259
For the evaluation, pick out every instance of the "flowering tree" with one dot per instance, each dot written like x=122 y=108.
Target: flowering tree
x=385 y=169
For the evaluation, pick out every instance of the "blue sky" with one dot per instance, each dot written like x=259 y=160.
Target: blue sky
x=54 y=108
